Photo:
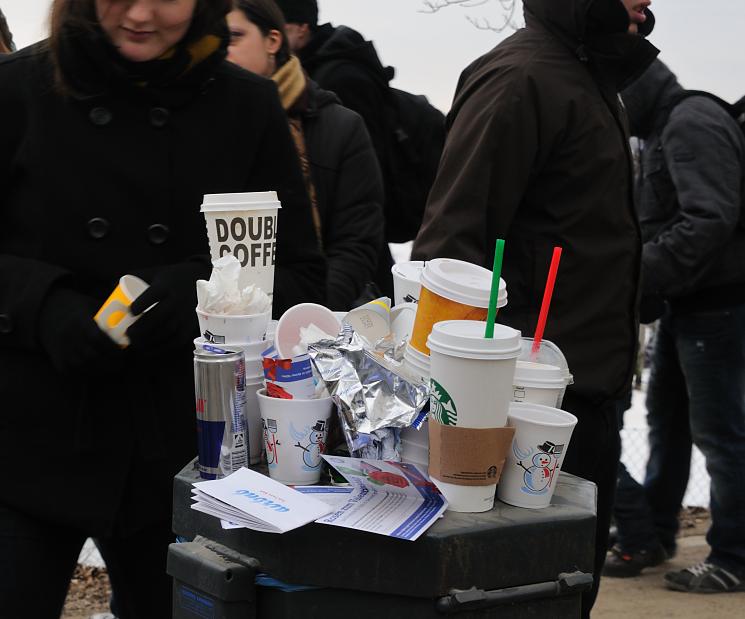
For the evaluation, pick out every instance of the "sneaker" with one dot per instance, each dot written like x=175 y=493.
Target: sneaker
x=704 y=578
x=622 y=564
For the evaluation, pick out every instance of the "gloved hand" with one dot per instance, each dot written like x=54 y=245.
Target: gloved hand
x=651 y=308
x=73 y=341
x=172 y=323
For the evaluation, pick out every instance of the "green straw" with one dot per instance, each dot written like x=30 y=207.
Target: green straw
x=494 y=296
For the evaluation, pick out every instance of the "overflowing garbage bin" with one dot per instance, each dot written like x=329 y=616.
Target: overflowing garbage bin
x=509 y=563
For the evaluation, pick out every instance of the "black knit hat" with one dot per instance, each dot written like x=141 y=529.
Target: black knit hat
x=299 y=11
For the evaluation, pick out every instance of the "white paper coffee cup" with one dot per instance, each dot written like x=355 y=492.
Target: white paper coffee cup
x=294 y=433
x=253 y=418
x=406 y=281
x=417 y=363
x=227 y=329
x=471 y=387
x=532 y=468
x=539 y=383
x=245 y=225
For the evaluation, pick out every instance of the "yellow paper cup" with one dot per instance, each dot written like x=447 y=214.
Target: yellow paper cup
x=114 y=317
x=452 y=290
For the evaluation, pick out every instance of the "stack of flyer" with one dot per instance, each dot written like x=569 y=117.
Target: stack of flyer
x=252 y=500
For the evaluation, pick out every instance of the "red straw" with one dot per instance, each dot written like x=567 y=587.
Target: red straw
x=547 y=293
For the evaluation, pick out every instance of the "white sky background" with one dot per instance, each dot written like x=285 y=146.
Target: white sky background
x=701 y=40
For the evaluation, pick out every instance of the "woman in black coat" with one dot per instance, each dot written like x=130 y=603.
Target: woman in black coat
x=341 y=170
x=112 y=132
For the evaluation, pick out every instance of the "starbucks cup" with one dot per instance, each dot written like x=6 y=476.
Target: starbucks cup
x=471 y=387
x=294 y=433
x=541 y=439
x=452 y=290
x=539 y=383
x=406 y=281
x=245 y=225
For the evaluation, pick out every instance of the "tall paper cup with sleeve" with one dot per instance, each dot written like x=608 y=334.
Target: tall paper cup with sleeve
x=471 y=389
x=452 y=290
x=540 y=443
x=245 y=225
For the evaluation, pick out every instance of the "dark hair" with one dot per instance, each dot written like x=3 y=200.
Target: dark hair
x=81 y=15
x=6 y=38
x=266 y=16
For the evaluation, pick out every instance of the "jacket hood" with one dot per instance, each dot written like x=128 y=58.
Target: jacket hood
x=342 y=43
x=318 y=98
x=649 y=99
x=597 y=33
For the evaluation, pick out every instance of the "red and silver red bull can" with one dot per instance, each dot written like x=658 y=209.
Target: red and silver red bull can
x=220 y=390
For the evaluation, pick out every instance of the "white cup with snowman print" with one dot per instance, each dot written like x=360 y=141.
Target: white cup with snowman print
x=533 y=463
x=294 y=434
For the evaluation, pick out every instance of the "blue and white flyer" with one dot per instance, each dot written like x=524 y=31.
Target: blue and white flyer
x=252 y=500
x=388 y=498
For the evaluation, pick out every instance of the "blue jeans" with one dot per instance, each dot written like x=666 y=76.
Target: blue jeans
x=696 y=395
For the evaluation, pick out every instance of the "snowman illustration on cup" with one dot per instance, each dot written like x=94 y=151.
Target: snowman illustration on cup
x=270 y=441
x=543 y=465
x=314 y=444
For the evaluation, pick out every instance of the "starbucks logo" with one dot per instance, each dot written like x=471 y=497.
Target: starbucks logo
x=441 y=405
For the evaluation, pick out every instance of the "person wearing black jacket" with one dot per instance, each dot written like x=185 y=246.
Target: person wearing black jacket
x=537 y=154
x=341 y=170
x=6 y=38
x=692 y=211
x=113 y=131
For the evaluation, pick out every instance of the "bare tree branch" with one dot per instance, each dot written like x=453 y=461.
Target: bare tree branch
x=508 y=8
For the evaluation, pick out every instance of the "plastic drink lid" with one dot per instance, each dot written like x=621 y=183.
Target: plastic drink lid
x=530 y=374
x=541 y=415
x=462 y=282
x=409 y=270
x=465 y=338
x=258 y=200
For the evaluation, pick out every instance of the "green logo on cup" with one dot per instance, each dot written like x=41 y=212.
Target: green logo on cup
x=441 y=405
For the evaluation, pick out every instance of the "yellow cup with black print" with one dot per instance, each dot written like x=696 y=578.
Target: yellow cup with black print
x=114 y=317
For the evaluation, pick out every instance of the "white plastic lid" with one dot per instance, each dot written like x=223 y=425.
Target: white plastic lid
x=417 y=358
x=462 y=282
x=409 y=270
x=253 y=201
x=529 y=374
x=465 y=338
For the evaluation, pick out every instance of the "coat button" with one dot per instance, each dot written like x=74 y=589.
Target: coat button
x=100 y=116
x=6 y=324
x=159 y=116
x=158 y=233
x=98 y=227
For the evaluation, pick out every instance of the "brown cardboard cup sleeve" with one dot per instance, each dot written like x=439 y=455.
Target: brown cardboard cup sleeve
x=467 y=456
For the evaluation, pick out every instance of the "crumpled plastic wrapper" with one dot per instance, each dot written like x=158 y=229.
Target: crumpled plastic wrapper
x=373 y=394
x=222 y=295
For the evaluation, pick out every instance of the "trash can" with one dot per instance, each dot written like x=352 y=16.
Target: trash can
x=508 y=563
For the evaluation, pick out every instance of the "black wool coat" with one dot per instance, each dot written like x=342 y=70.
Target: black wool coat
x=95 y=187
x=537 y=154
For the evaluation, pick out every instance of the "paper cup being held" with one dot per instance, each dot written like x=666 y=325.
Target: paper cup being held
x=114 y=316
x=471 y=389
x=245 y=225
x=294 y=437
x=541 y=440
x=452 y=290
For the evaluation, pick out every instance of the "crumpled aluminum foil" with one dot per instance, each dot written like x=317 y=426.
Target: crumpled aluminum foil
x=373 y=394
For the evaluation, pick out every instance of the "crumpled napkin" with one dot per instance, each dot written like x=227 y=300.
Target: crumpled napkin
x=221 y=294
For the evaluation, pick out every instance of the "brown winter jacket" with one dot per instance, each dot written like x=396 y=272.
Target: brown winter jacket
x=537 y=154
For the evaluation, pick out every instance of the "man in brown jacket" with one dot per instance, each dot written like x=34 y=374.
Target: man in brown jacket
x=537 y=154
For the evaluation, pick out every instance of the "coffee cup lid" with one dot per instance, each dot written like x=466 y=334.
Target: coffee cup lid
x=462 y=282
x=253 y=201
x=465 y=338
x=530 y=374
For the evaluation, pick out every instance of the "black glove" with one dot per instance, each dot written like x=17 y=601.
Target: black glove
x=651 y=308
x=172 y=323
x=72 y=339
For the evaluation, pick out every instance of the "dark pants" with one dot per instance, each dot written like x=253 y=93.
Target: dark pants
x=593 y=453
x=38 y=559
x=696 y=395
